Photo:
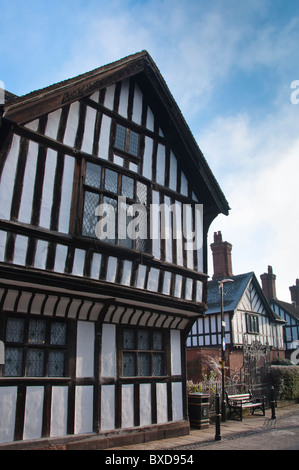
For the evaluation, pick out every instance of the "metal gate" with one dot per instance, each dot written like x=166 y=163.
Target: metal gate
x=256 y=366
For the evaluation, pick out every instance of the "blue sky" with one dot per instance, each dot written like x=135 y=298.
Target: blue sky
x=229 y=65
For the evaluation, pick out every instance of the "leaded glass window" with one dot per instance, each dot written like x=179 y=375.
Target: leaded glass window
x=93 y=175
x=115 y=208
x=91 y=202
x=139 y=352
x=126 y=140
x=35 y=347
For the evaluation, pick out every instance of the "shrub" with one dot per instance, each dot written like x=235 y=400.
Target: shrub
x=285 y=381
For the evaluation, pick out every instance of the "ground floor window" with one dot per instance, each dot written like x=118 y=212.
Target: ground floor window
x=35 y=347
x=143 y=352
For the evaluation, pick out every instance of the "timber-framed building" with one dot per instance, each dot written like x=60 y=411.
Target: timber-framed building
x=95 y=319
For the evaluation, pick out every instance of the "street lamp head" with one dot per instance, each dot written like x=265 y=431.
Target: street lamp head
x=224 y=281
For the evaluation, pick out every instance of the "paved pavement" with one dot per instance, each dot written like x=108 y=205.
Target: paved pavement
x=253 y=433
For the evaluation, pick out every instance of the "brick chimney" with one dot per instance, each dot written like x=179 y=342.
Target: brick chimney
x=295 y=293
x=222 y=260
x=268 y=284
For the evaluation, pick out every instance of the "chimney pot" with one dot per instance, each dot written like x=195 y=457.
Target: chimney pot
x=268 y=283
x=295 y=293
x=221 y=257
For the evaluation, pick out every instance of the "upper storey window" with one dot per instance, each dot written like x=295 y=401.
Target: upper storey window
x=115 y=208
x=126 y=140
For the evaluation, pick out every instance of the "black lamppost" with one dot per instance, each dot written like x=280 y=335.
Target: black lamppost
x=223 y=411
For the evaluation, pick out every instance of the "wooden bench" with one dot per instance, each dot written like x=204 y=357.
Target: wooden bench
x=236 y=403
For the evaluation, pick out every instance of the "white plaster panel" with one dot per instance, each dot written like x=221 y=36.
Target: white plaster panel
x=8 y=178
x=8 y=400
x=199 y=235
x=111 y=269
x=83 y=409
x=108 y=407
x=41 y=254
x=178 y=286
x=137 y=105
x=145 y=405
x=79 y=261
x=184 y=185
x=59 y=408
x=3 y=236
x=72 y=124
x=33 y=412
x=173 y=172
x=53 y=123
x=66 y=194
x=177 y=401
x=127 y=272
x=189 y=287
x=109 y=97
x=162 y=405
x=141 y=276
x=88 y=136
x=127 y=398
x=161 y=164
x=199 y=291
x=96 y=266
x=166 y=283
x=108 y=356
x=48 y=186
x=124 y=98
x=85 y=349
x=153 y=280
x=20 y=252
x=28 y=184
x=150 y=120
x=168 y=233
x=104 y=137
x=60 y=258
x=155 y=226
x=147 y=158
x=178 y=233
x=33 y=125
x=175 y=349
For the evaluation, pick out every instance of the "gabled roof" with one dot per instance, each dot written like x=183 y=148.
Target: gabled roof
x=233 y=293
x=290 y=308
x=140 y=65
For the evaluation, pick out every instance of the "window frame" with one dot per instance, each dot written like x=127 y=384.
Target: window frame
x=252 y=323
x=102 y=192
x=140 y=351
x=125 y=149
x=26 y=346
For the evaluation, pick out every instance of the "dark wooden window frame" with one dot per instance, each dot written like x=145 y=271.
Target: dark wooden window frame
x=26 y=346
x=102 y=192
x=164 y=351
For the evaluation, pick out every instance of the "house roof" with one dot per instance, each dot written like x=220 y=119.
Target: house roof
x=23 y=109
x=232 y=295
x=290 y=308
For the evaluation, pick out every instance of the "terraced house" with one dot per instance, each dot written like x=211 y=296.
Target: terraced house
x=106 y=201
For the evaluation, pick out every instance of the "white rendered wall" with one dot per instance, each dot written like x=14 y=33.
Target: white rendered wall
x=8 y=400
x=175 y=346
x=85 y=349
x=108 y=356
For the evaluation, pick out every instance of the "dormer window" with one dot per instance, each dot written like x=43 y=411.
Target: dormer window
x=126 y=140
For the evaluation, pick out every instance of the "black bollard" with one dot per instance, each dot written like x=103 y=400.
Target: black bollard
x=217 y=418
x=272 y=403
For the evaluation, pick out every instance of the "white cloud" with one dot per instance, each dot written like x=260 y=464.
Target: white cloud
x=257 y=167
